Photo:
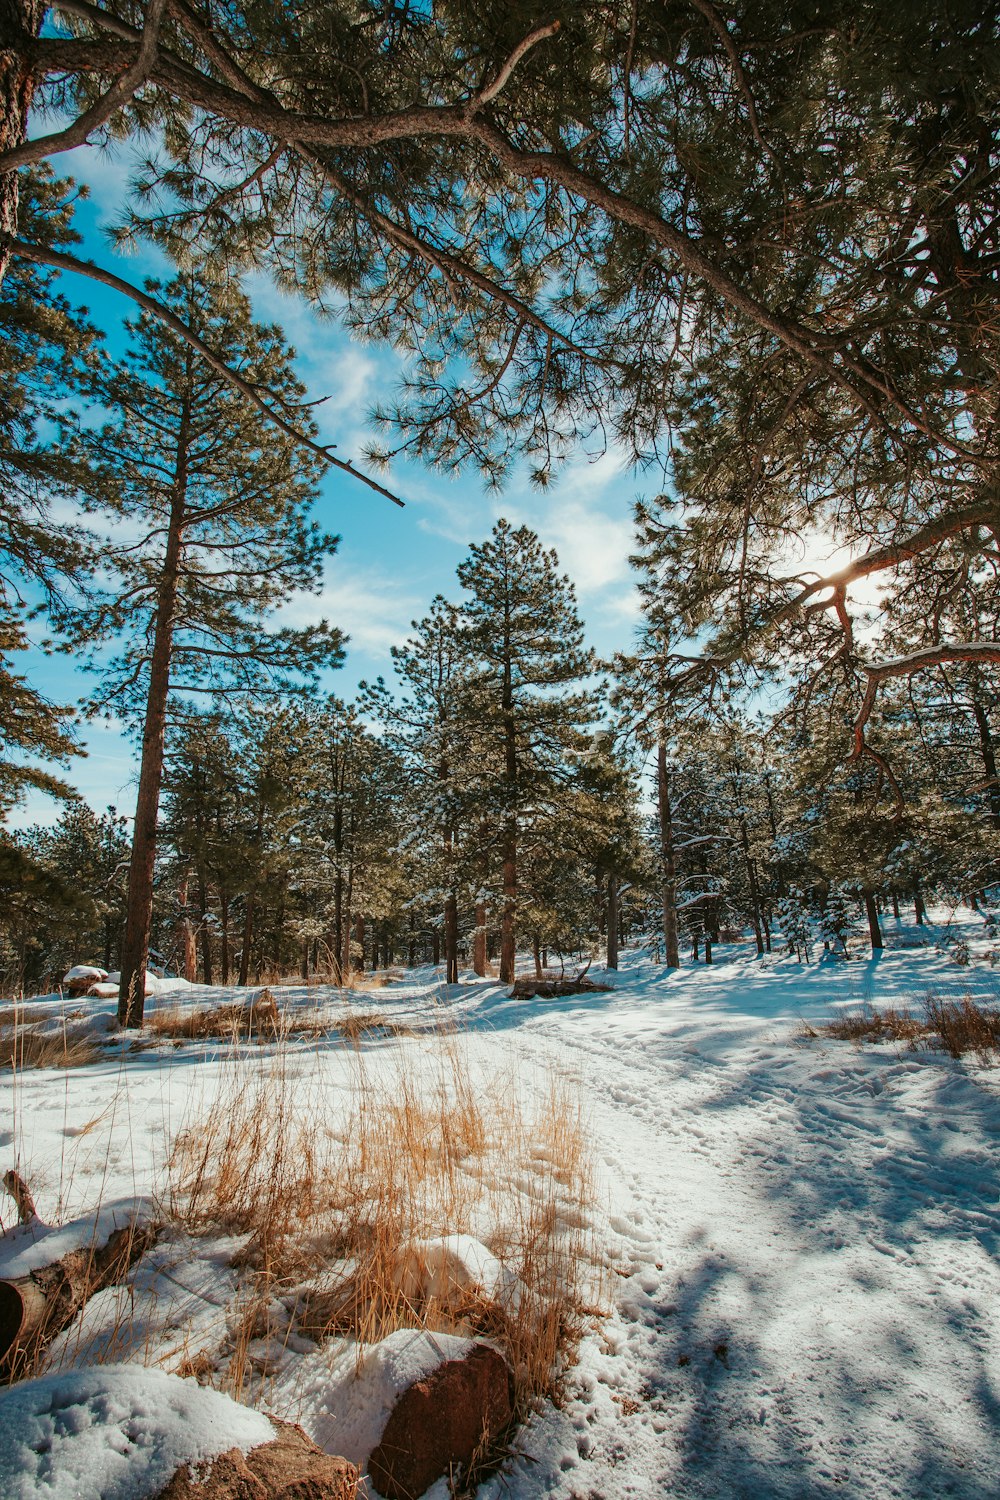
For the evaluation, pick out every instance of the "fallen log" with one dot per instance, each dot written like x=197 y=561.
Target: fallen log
x=34 y=1308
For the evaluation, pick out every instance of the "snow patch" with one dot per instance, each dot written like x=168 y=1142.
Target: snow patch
x=117 y=1432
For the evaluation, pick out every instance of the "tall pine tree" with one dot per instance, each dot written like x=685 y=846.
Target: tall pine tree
x=218 y=506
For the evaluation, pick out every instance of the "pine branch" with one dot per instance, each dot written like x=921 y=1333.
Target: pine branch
x=116 y=97
x=43 y=256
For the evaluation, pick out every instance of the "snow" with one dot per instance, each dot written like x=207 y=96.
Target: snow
x=114 y=1432
x=84 y=971
x=801 y=1235
x=28 y=1247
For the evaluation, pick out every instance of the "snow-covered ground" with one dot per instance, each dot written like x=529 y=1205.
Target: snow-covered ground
x=803 y=1235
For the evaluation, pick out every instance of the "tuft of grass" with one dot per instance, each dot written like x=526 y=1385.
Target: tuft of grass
x=347 y=1219
x=894 y=1024
x=26 y=1047
x=368 y=1024
x=963 y=1026
x=957 y=1027
x=258 y=1018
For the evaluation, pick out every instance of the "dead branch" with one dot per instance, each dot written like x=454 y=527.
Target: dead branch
x=21 y=1194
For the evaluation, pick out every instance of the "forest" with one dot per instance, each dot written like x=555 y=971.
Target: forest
x=609 y=999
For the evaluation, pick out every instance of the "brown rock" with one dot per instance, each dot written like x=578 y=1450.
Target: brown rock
x=290 y=1468
x=441 y=1423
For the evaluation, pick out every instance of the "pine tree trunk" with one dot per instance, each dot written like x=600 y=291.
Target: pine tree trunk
x=988 y=752
x=304 y=968
x=874 y=930
x=451 y=938
x=669 y=867
x=509 y=846
x=895 y=903
x=612 y=915
x=244 y=978
x=185 y=934
x=203 y=928
x=139 y=905
x=536 y=952
x=479 y=941
x=507 y=938
x=345 y=952
x=20 y=23
x=338 y=927
x=754 y=891
x=359 y=938
x=919 y=909
x=224 y=924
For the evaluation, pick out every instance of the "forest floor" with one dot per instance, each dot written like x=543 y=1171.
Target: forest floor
x=801 y=1234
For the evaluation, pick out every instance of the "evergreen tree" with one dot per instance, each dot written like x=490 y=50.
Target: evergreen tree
x=527 y=698
x=218 y=505
x=46 y=346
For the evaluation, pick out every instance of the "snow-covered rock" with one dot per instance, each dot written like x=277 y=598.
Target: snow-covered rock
x=114 y=1432
x=80 y=979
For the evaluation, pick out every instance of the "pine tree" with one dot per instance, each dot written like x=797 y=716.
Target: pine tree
x=429 y=728
x=527 y=697
x=218 y=502
x=46 y=346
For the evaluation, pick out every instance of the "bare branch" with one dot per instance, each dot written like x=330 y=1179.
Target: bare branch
x=502 y=78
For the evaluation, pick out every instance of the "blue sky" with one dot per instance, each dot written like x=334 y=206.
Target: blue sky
x=391 y=562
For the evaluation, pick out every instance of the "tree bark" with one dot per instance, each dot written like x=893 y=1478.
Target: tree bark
x=185 y=934
x=20 y=23
x=244 y=978
x=612 y=912
x=669 y=866
x=139 y=906
x=338 y=927
x=203 y=928
x=451 y=938
x=919 y=909
x=988 y=751
x=874 y=930
x=224 y=924
x=479 y=941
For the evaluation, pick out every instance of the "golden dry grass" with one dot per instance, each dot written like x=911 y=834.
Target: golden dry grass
x=258 y=1018
x=23 y=1046
x=352 y=1212
x=956 y=1026
x=367 y=1024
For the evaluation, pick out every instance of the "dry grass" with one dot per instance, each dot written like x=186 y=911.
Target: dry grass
x=965 y=1026
x=258 y=1018
x=261 y=1019
x=345 y=1218
x=23 y=1046
x=368 y=1024
x=956 y=1026
x=894 y=1024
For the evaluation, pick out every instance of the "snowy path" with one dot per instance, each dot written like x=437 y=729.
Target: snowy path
x=805 y=1236
x=812 y=1304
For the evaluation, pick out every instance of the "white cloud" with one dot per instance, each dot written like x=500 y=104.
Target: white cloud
x=368 y=604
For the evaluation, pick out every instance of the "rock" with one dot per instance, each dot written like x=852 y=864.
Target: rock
x=78 y=980
x=441 y=1422
x=290 y=1468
